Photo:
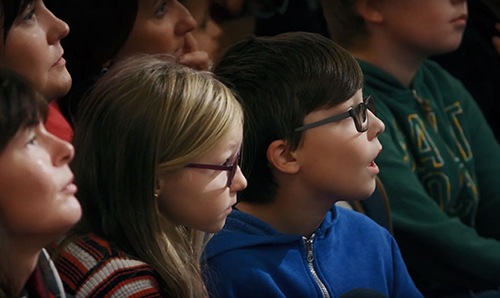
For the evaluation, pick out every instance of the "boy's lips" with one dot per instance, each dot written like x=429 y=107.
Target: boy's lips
x=372 y=165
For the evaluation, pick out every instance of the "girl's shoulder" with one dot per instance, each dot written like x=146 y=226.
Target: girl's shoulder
x=90 y=266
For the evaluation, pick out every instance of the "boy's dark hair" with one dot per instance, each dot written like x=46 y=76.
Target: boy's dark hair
x=10 y=9
x=20 y=106
x=279 y=80
x=345 y=24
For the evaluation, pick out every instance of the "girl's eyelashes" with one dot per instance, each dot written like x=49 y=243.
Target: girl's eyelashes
x=227 y=162
x=231 y=160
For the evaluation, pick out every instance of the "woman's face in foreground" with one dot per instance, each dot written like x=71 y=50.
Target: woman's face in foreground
x=37 y=194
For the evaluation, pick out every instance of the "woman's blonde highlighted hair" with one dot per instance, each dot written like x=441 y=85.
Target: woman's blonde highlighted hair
x=145 y=116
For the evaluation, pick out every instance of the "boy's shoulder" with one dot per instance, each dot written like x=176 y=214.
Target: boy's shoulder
x=437 y=84
x=359 y=228
x=239 y=222
x=431 y=70
x=280 y=264
x=431 y=82
x=246 y=232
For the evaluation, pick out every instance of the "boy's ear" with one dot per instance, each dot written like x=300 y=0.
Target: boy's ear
x=369 y=10
x=282 y=158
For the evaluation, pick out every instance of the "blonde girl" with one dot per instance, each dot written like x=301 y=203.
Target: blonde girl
x=157 y=170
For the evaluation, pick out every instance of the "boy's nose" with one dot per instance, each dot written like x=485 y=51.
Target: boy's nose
x=376 y=126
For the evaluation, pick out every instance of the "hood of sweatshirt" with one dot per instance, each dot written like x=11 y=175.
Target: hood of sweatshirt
x=245 y=230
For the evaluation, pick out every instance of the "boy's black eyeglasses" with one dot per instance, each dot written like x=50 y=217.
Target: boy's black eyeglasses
x=358 y=113
x=231 y=168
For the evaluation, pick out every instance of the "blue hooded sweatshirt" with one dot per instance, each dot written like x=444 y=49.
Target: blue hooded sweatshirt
x=249 y=258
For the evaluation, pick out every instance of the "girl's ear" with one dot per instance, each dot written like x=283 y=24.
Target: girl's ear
x=158 y=187
x=370 y=10
x=282 y=158
x=105 y=66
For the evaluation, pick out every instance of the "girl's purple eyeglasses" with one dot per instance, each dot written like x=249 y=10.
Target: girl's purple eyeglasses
x=232 y=168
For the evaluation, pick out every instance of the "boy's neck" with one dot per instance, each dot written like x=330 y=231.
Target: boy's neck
x=293 y=212
x=395 y=59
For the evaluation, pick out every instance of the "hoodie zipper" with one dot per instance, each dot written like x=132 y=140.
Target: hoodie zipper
x=310 y=258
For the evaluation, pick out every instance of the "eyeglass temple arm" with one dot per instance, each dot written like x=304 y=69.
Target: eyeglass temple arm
x=324 y=121
x=209 y=167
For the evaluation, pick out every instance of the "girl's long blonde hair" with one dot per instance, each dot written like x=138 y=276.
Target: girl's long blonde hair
x=148 y=115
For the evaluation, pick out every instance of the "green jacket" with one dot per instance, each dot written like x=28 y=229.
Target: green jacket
x=440 y=166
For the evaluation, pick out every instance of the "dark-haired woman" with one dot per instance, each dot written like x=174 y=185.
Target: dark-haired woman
x=30 y=45
x=106 y=31
x=37 y=202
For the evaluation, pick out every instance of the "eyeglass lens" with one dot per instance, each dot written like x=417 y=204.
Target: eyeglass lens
x=361 y=115
x=233 y=170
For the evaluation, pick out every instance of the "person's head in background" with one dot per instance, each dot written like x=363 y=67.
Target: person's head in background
x=144 y=122
x=208 y=31
x=293 y=16
x=407 y=31
x=30 y=45
x=106 y=31
x=283 y=83
x=37 y=202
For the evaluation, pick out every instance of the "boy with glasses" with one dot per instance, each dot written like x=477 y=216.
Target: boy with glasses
x=441 y=163
x=310 y=140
